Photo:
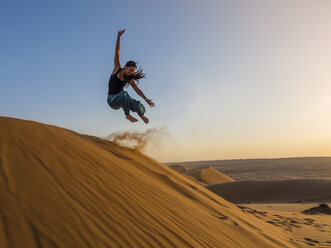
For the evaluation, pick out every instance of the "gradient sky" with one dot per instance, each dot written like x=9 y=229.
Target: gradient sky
x=230 y=79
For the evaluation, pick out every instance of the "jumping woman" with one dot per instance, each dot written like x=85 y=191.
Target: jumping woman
x=117 y=97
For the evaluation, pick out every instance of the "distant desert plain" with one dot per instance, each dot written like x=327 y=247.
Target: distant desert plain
x=60 y=188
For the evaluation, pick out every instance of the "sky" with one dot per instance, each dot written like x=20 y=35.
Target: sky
x=230 y=79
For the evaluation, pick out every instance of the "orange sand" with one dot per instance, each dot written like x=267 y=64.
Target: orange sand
x=59 y=188
x=312 y=230
x=203 y=176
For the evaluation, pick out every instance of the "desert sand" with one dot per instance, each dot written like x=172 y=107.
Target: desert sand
x=292 y=205
x=64 y=189
x=312 y=229
x=204 y=176
x=178 y=168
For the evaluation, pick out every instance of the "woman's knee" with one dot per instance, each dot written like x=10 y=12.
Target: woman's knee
x=141 y=109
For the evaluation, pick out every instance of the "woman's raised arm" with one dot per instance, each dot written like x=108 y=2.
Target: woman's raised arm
x=117 y=63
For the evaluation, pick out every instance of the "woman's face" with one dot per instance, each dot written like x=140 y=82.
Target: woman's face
x=129 y=70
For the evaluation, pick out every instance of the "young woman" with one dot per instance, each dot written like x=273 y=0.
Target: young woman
x=117 y=97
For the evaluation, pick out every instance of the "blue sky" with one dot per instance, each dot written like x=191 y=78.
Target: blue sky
x=230 y=79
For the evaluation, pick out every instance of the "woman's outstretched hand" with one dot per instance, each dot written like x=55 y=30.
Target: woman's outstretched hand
x=120 y=32
x=150 y=103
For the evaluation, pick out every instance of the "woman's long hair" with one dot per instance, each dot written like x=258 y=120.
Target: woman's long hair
x=136 y=75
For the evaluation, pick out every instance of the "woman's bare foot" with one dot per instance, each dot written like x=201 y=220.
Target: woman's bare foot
x=131 y=118
x=145 y=119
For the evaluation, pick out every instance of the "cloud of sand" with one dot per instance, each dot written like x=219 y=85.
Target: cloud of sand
x=138 y=140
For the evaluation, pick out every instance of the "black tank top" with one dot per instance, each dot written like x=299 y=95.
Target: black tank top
x=115 y=84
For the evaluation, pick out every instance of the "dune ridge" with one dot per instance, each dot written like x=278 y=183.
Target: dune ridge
x=59 y=188
x=212 y=176
x=204 y=176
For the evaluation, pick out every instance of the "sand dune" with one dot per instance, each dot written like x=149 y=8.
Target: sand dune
x=179 y=168
x=212 y=176
x=204 y=176
x=283 y=191
x=63 y=189
x=320 y=209
x=195 y=173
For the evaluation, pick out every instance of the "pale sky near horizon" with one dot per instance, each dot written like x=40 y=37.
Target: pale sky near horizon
x=230 y=79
